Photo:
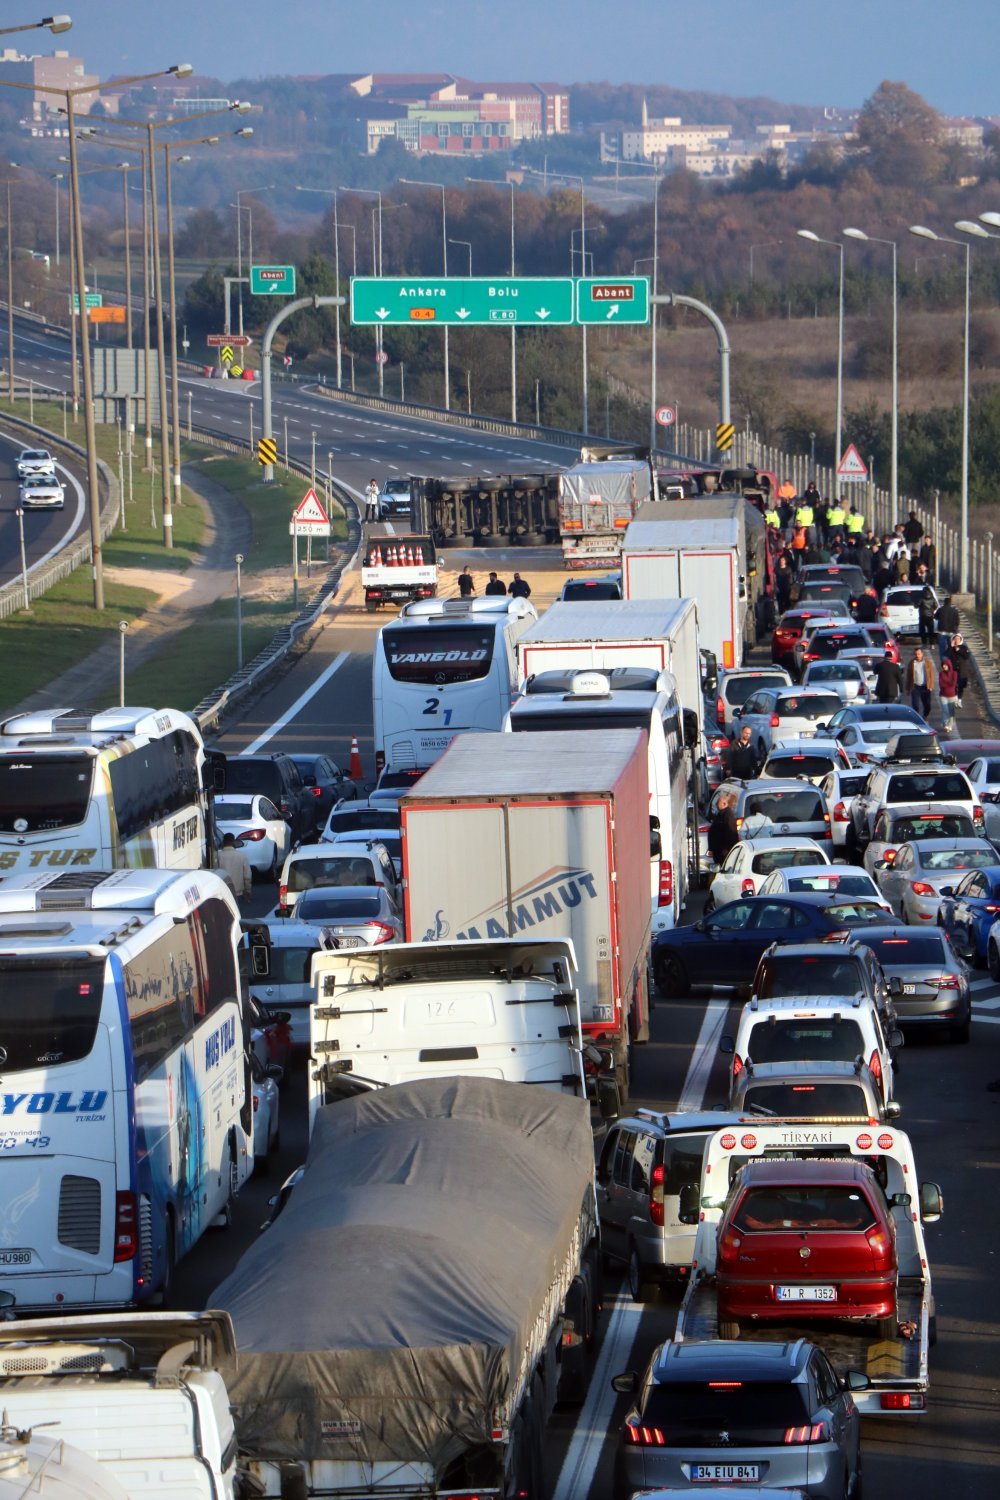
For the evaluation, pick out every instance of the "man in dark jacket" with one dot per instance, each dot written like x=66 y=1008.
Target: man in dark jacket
x=722 y=831
x=947 y=623
x=866 y=609
x=926 y=608
x=495 y=586
x=888 y=679
x=743 y=761
x=913 y=532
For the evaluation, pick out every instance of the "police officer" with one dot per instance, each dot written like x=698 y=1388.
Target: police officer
x=854 y=523
x=771 y=516
x=835 y=518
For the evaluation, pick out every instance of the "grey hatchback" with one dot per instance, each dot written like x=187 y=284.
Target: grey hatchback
x=715 y=1412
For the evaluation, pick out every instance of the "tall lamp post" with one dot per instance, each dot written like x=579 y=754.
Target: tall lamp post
x=513 y=327
x=468 y=246
x=242 y=209
x=55 y=24
x=807 y=234
x=440 y=187
x=924 y=233
x=10 y=294
x=332 y=193
x=873 y=239
x=376 y=271
x=69 y=96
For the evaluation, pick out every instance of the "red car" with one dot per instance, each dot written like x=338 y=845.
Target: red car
x=789 y=629
x=806 y=1241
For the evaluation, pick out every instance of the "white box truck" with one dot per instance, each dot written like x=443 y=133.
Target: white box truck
x=505 y=1009
x=544 y=836
x=707 y=550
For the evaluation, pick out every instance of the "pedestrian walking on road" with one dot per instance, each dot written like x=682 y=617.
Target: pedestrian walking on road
x=959 y=653
x=495 y=586
x=466 y=584
x=920 y=682
x=722 y=831
x=947 y=624
x=866 y=609
x=519 y=588
x=743 y=759
x=888 y=679
x=234 y=862
x=913 y=531
x=948 y=692
x=926 y=610
x=371 y=500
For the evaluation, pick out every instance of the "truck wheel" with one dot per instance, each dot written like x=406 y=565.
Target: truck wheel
x=533 y=539
x=639 y=1286
x=671 y=978
x=371 y=606
x=729 y=1328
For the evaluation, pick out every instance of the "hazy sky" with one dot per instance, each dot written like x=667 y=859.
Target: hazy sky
x=801 y=51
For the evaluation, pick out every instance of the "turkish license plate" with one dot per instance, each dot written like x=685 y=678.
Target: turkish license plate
x=15 y=1257
x=731 y=1473
x=909 y=989
x=347 y=942
x=807 y=1293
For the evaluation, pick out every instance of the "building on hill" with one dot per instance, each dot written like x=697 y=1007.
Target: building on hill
x=57 y=70
x=441 y=112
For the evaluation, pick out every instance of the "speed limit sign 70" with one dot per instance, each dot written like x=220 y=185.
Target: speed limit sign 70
x=666 y=416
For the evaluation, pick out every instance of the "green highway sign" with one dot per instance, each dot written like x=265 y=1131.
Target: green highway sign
x=472 y=300
x=272 y=281
x=91 y=299
x=612 y=299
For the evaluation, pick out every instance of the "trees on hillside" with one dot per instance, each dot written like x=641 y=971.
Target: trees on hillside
x=900 y=137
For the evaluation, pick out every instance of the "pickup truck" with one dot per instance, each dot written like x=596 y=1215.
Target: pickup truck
x=897 y=1364
x=397 y=566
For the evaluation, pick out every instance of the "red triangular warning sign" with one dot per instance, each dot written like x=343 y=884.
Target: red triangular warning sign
x=852 y=465
x=310 y=508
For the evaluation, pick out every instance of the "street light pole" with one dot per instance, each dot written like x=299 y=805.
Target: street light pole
x=10 y=298
x=239 y=612
x=468 y=247
x=332 y=193
x=122 y=628
x=963 y=562
x=859 y=234
x=807 y=234
x=377 y=271
x=24 y=557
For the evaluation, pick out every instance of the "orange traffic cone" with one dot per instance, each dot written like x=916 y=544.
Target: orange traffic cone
x=354 y=770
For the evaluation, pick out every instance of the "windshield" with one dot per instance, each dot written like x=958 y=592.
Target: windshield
x=233 y=812
x=438 y=654
x=338 y=869
x=957 y=859
x=920 y=949
x=737 y=691
x=844 y=885
x=780 y=859
x=813 y=1208
x=327 y=907
x=785 y=978
x=41 y=792
x=49 y=1010
x=794 y=1100
x=814 y=707
x=940 y=786
x=354 y=818
x=805 y=1039
x=799 y=806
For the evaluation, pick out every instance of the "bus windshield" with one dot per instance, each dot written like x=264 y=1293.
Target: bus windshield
x=49 y=1010
x=438 y=654
x=44 y=791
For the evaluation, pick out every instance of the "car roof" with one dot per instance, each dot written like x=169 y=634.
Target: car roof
x=829 y=872
x=832 y=1072
x=792 y=1005
x=796 y=743
x=679 y=1121
x=817 y=949
x=805 y=1171
x=702 y=1359
x=226 y=797
x=781 y=841
x=777 y=783
x=972 y=845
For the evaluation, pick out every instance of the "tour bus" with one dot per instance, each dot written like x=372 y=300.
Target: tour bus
x=122 y=788
x=628 y=698
x=127 y=1099
x=441 y=667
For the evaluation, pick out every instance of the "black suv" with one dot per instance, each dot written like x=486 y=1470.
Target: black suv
x=275 y=776
x=325 y=783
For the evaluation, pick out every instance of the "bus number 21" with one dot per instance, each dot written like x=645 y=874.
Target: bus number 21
x=432 y=708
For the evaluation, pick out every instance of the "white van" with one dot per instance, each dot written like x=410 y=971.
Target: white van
x=358 y=862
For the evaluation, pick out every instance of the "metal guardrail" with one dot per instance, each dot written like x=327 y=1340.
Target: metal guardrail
x=42 y=578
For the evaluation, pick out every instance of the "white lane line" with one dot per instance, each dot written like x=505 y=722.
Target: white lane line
x=594 y=1421
x=300 y=702
x=706 y=1048
x=73 y=526
x=985 y=1020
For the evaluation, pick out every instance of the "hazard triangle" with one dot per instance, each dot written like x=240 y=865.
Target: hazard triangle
x=310 y=508
x=852 y=465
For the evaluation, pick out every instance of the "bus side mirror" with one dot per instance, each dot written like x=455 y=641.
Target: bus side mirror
x=609 y=1100
x=931 y=1203
x=689 y=1207
x=690 y=728
x=655 y=842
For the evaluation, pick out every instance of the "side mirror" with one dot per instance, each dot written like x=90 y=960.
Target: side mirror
x=609 y=1100
x=948 y=890
x=701 y=926
x=822 y=728
x=727 y=1045
x=900 y=1200
x=7 y=1299
x=281 y=1016
x=895 y=986
x=625 y=1385
x=690 y=721
x=893 y=1109
x=931 y=1203
x=896 y=1039
x=881 y=864
x=275 y=1071
x=855 y=1380
x=260 y=960
x=690 y=1203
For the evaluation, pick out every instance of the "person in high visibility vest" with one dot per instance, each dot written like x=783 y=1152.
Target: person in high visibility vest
x=771 y=516
x=835 y=518
x=804 y=515
x=854 y=522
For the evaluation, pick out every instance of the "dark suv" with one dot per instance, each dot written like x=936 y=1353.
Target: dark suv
x=275 y=776
x=715 y=1412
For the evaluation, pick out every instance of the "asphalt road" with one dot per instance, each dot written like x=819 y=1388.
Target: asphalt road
x=46 y=532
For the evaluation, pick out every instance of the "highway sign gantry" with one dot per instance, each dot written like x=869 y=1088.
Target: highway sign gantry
x=267 y=450
x=725 y=432
x=272 y=281
x=457 y=300
x=612 y=299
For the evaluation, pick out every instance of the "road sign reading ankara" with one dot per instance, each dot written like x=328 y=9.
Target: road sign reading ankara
x=612 y=299
x=490 y=301
x=272 y=281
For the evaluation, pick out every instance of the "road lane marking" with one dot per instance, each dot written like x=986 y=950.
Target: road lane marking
x=74 y=525
x=300 y=702
x=593 y=1424
x=692 y=1095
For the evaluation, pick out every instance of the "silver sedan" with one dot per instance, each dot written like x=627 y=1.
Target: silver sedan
x=912 y=882
x=43 y=492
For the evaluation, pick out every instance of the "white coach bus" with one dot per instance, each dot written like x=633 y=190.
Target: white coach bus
x=127 y=1105
x=123 y=788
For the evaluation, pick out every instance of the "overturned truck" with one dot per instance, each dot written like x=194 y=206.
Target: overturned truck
x=488 y=512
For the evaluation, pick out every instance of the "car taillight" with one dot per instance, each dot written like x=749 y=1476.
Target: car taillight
x=884 y=610
x=720 y=709
x=840 y=814
x=889 y=855
x=256 y=1102
x=875 y=1064
x=666 y=891
x=812 y=1432
x=379 y=762
x=656 y=1196
x=902 y=1401
x=881 y=1244
x=126 y=1226
x=748 y=888
x=978 y=816
x=253 y=835
x=737 y=1065
x=826 y=817
x=921 y=888
x=282 y=895
x=316 y=791
x=810 y=656
x=385 y=933
x=729 y=1244
x=775 y=721
x=739 y=824
x=644 y=1437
